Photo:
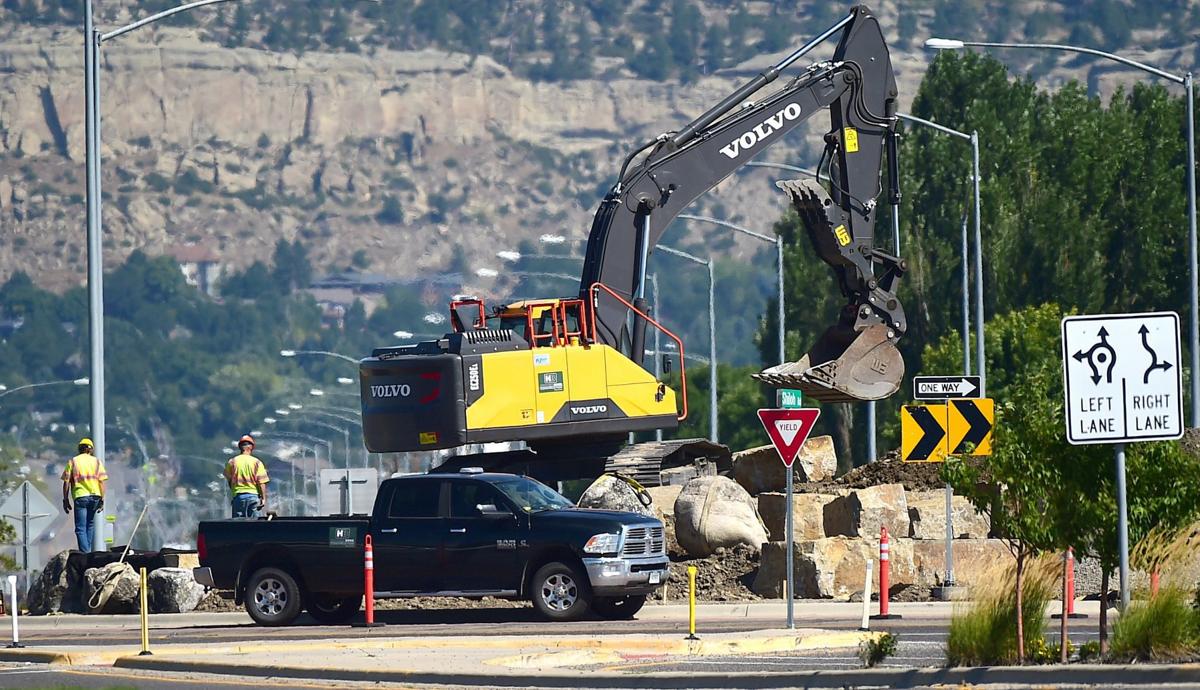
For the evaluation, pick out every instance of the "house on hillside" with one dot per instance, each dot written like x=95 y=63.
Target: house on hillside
x=200 y=265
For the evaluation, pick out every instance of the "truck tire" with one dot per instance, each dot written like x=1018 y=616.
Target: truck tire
x=332 y=609
x=618 y=608
x=272 y=597
x=561 y=592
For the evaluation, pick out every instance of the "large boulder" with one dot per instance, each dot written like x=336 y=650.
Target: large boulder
x=862 y=512
x=57 y=588
x=974 y=560
x=611 y=493
x=808 y=515
x=927 y=515
x=111 y=589
x=173 y=590
x=760 y=469
x=715 y=512
x=831 y=568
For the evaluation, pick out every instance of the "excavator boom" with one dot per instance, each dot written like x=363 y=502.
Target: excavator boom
x=856 y=359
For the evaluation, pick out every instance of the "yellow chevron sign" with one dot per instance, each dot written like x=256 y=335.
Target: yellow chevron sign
x=929 y=433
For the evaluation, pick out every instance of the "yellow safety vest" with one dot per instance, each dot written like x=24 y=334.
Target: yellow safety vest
x=244 y=473
x=84 y=472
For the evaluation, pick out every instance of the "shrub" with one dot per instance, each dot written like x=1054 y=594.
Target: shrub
x=873 y=650
x=1161 y=628
x=985 y=633
x=1089 y=651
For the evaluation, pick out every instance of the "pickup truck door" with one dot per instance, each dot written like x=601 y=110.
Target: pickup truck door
x=408 y=537
x=481 y=552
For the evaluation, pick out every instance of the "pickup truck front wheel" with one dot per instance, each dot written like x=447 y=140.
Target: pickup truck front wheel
x=561 y=592
x=331 y=609
x=272 y=597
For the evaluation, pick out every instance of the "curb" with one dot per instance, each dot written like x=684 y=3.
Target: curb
x=617 y=651
x=83 y=657
x=896 y=678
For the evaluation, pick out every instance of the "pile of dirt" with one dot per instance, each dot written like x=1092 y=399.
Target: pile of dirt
x=427 y=603
x=214 y=602
x=889 y=469
x=724 y=576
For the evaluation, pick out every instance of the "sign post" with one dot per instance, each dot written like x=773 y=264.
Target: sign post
x=1122 y=384
x=788 y=429
x=31 y=514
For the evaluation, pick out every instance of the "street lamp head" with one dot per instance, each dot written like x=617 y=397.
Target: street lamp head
x=269 y=420
x=82 y=381
x=317 y=392
x=3 y=387
x=345 y=380
x=282 y=412
x=287 y=353
x=295 y=406
x=403 y=335
x=944 y=44
x=509 y=255
x=487 y=272
x=552 y=239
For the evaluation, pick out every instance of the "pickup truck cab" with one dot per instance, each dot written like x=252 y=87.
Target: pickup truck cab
x=466 y=534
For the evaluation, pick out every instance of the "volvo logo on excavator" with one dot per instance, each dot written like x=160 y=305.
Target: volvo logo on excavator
x=400 y=390
x=751 y=137
x=589 y=409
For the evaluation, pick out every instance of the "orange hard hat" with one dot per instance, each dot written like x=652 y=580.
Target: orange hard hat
x=246 y=439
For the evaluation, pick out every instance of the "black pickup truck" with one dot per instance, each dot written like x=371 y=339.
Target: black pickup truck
x=469 y=534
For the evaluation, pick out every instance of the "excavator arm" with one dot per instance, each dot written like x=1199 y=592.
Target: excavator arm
x=856 y=358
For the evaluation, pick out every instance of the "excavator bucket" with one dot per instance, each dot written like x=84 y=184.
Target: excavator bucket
x=856 y=359
x=844 y=366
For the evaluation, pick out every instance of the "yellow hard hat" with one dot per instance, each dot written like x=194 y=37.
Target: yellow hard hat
x=86 y=442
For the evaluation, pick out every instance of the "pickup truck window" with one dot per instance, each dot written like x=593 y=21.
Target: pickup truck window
x=414 y=498
x=465 y=496
x=531 y=496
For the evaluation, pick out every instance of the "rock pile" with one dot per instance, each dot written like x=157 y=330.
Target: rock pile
x=68 y=585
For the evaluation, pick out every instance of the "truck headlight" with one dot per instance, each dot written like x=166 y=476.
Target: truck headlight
x=602 y=543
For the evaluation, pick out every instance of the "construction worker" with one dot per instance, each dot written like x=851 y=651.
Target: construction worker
x=83 y=488
x=247 y=478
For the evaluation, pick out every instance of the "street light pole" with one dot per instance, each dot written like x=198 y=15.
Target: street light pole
x=1184 y=80
x=973 y=138
x=778 y=242
x=712 y=337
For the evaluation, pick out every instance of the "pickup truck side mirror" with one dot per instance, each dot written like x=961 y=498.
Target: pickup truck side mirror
x=491 y=511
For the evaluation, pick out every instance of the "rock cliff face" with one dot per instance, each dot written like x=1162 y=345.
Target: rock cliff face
x=236 y=148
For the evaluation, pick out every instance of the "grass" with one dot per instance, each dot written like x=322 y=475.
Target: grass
x=875 y=649
x=1165 y=627
x=985 y=633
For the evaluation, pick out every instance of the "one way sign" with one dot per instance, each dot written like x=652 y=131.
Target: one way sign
x=945 y=387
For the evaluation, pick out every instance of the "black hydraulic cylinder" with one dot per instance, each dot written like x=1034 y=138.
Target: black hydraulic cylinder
x=639 y=330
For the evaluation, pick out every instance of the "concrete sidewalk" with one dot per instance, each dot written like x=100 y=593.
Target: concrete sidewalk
x=807 y=612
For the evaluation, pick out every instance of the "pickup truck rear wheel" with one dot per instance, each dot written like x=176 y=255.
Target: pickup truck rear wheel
x=272 y=597
x=332 y=609
x=618 y=608
x=561 y=592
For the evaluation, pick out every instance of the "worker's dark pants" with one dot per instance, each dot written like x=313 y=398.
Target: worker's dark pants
x=244 y=505
x=85 y=520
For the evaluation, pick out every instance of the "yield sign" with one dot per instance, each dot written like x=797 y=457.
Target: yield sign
x=789 y=429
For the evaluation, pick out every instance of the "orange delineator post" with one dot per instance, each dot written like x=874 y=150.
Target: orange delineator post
x=1154 y=582
x=1069 y=557
x=369 y=579
x=885 y=576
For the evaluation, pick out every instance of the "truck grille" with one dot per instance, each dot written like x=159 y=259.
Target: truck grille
x=644 y=541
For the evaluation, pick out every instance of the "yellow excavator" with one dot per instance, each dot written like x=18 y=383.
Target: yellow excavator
x=567 y=375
